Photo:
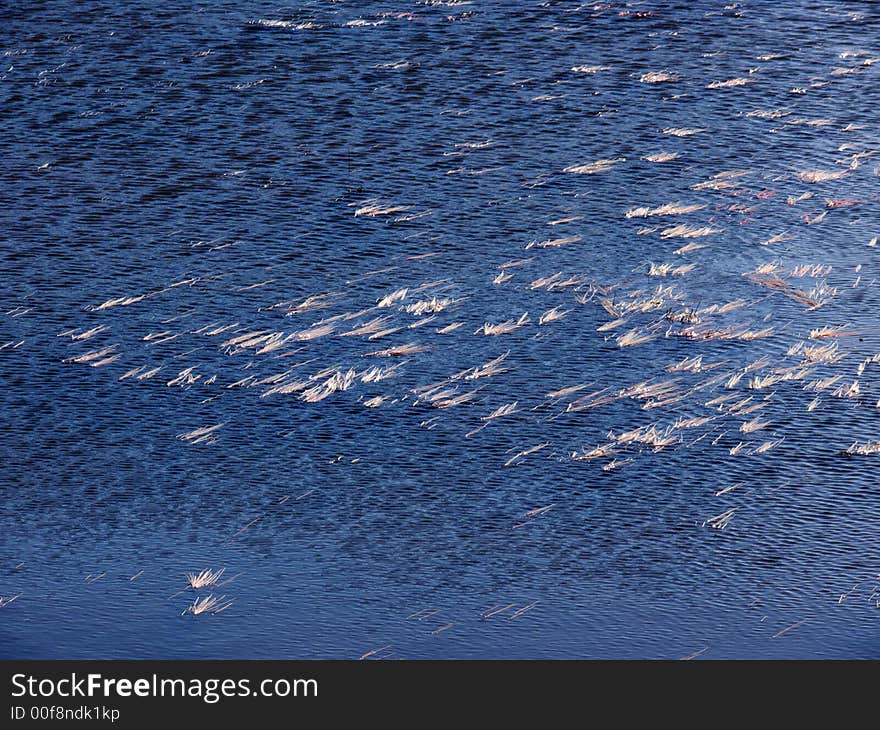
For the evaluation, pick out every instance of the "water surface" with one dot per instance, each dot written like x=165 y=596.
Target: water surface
x=201 y=199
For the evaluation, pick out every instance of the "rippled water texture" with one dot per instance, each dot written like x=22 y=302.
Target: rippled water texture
x=445 y=329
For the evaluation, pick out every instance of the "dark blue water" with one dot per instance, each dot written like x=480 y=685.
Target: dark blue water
x=180 y=179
